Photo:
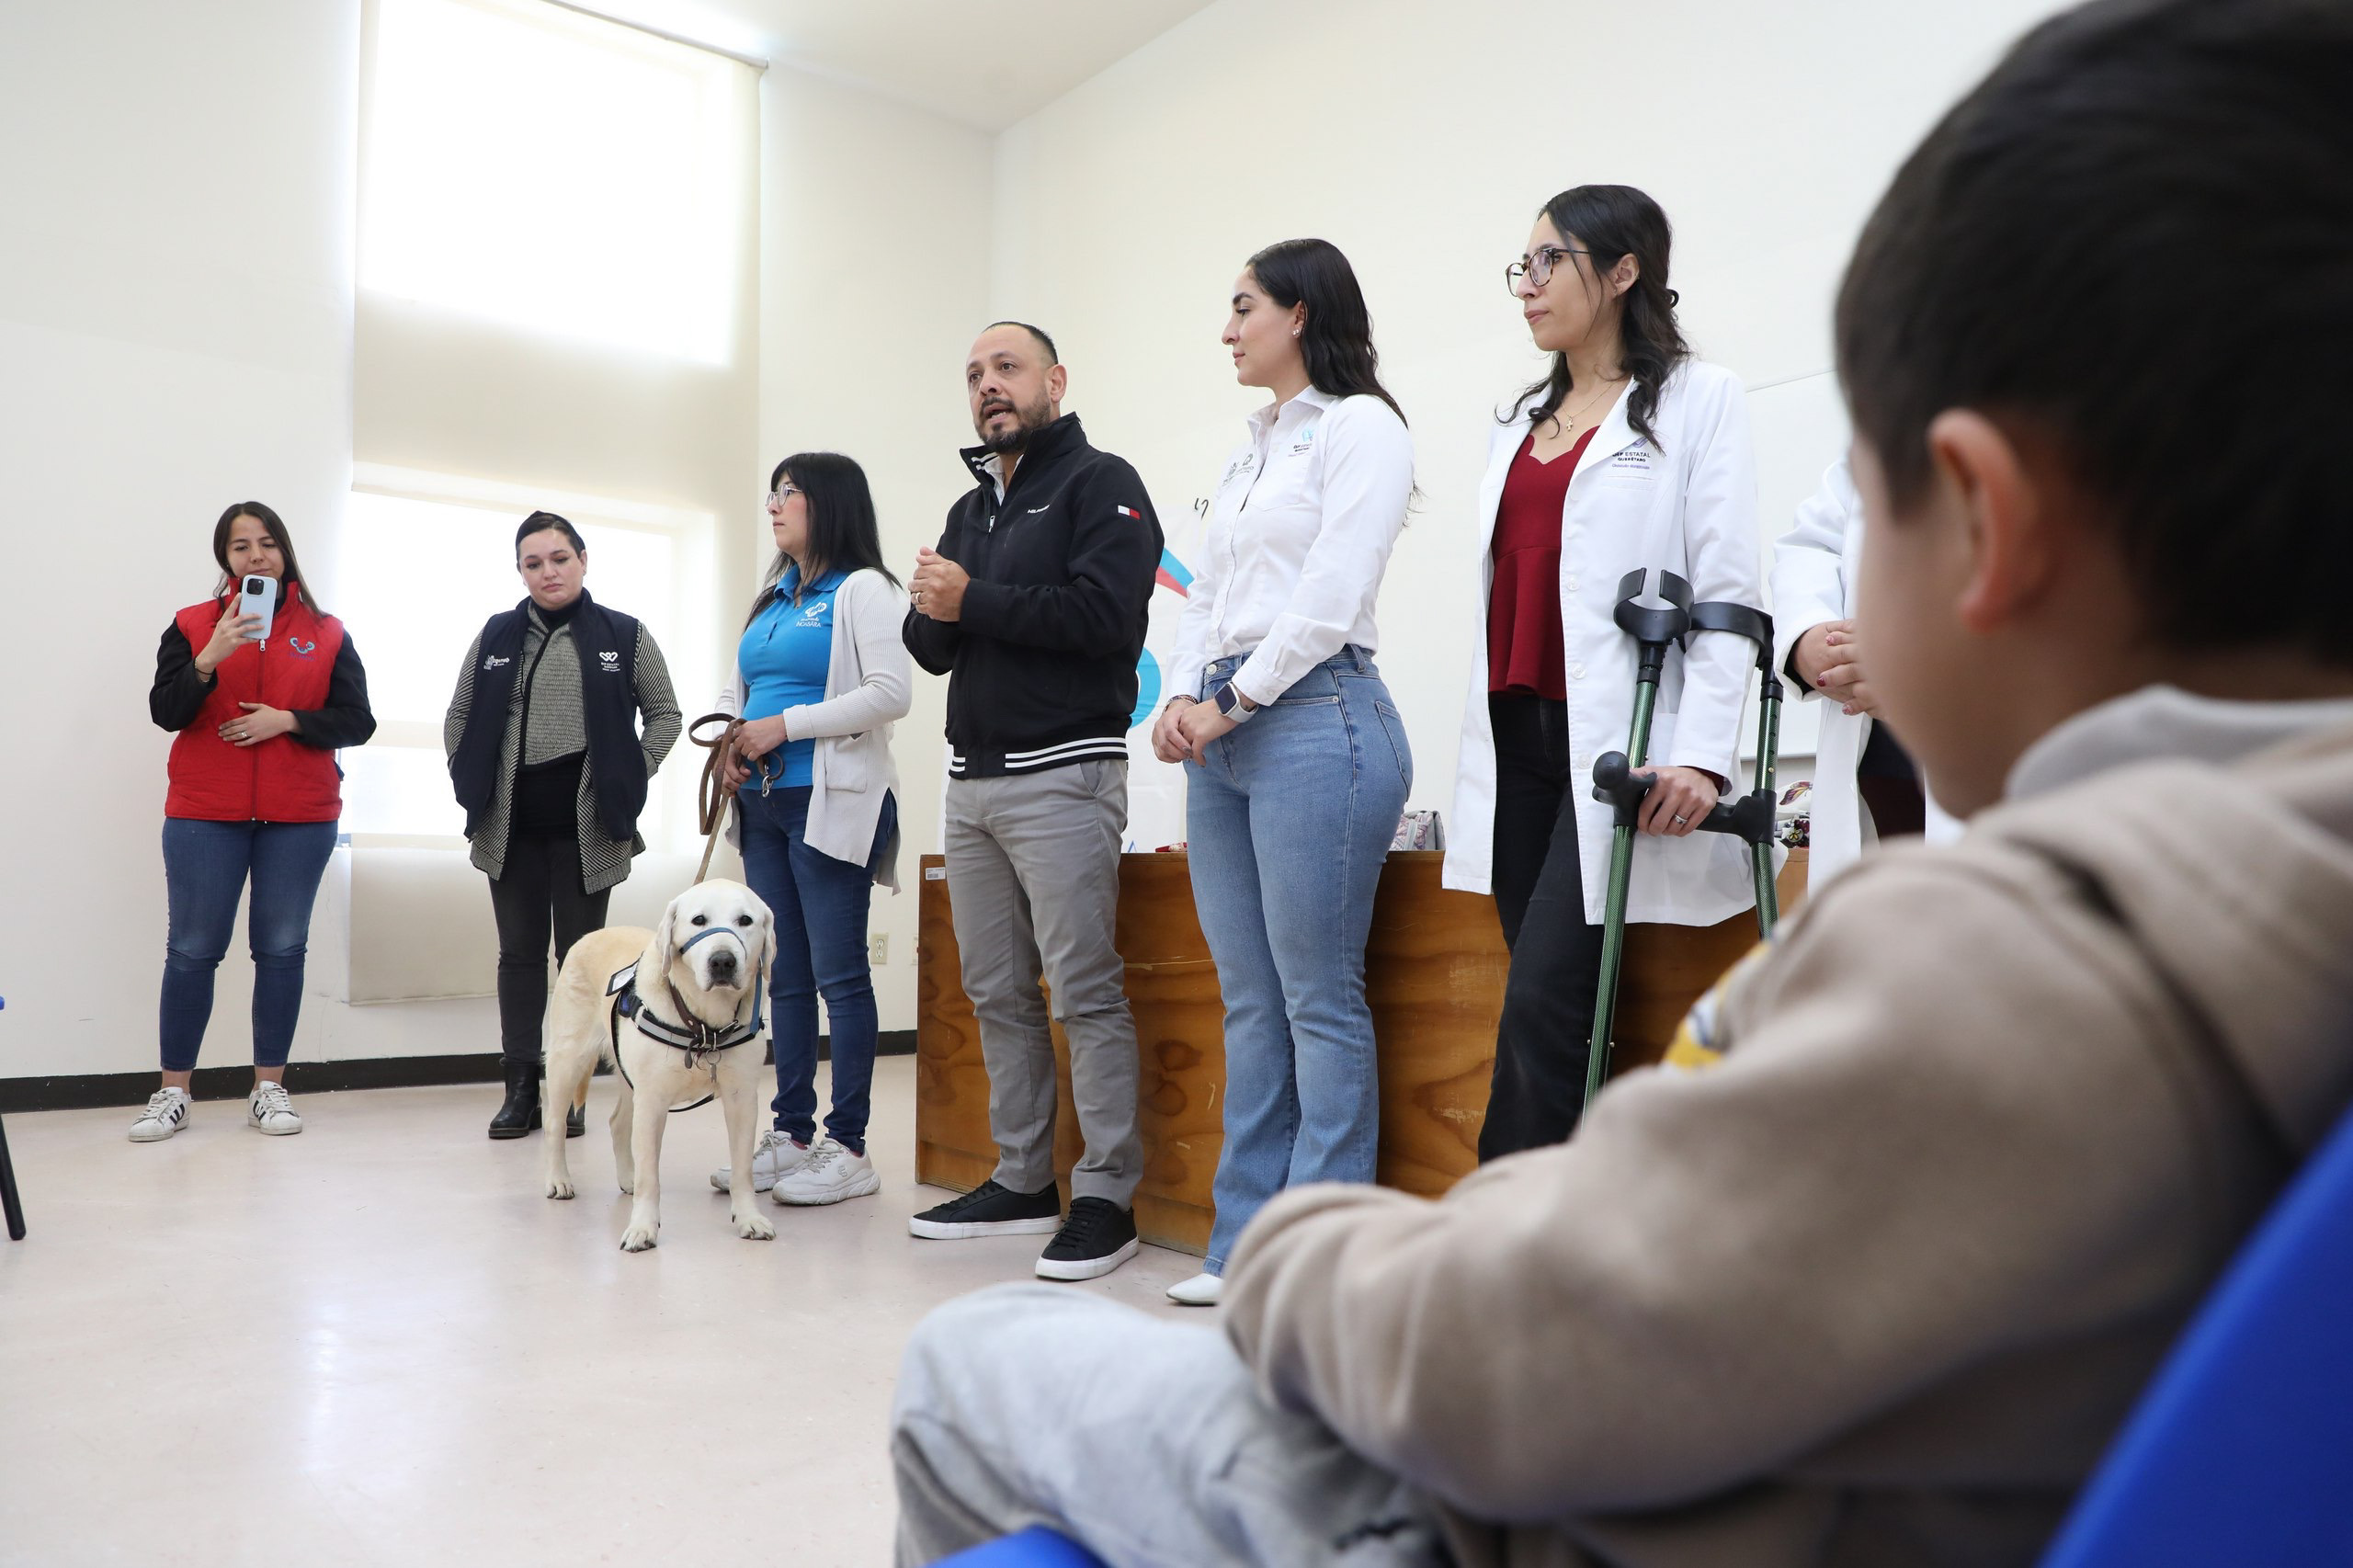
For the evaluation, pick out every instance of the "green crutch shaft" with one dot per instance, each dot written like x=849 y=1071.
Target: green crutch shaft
x=1622 y=868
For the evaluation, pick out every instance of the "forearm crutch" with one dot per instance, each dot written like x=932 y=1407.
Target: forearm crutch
x=1615 y=780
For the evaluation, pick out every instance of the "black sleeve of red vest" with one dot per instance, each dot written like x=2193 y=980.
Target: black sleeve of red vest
x=346 y=719
x=178 y=694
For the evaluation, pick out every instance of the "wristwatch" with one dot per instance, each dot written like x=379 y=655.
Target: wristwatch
x=1231 y=703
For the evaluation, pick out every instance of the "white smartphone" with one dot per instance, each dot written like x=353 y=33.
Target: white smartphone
x=259 y=598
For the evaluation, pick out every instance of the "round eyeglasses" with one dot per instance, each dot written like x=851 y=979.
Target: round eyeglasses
x=1537 y=269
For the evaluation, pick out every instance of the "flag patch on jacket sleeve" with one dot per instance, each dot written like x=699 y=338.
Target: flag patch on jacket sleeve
x=1129 y=512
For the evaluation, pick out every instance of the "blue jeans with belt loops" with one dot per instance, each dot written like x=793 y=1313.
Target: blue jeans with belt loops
x=1288 y=823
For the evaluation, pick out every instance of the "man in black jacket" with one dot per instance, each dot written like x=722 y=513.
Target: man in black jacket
x=1034 y=608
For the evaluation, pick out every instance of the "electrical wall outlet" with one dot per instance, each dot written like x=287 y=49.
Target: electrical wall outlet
x=877 y=948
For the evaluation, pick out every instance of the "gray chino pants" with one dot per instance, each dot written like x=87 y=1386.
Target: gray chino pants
x=1033 y=876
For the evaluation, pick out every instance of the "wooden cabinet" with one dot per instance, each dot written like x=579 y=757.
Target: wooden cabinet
x=1434 y=972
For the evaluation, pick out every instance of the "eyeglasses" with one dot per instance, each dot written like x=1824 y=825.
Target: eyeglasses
x=1537 y=269
x=782 y=494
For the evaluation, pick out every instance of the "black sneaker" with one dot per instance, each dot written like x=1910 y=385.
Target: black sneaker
x=1098 y=1237
x=990 y=1210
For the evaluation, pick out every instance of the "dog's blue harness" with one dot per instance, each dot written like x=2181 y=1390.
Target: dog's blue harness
x=697 y=1038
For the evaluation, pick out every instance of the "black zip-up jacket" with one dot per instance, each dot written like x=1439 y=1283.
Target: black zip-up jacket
x=1042 y=662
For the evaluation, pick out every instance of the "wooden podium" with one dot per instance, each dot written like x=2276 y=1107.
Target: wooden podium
x=1434 y=973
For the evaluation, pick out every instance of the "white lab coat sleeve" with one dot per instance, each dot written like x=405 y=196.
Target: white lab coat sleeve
x=1722 y=548
x=1809 y=567
x=1368 y=478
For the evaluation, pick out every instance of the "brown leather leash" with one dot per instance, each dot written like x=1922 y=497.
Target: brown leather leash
x=712 y=792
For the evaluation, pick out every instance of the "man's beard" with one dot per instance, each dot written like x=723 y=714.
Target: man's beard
x=1027 y=422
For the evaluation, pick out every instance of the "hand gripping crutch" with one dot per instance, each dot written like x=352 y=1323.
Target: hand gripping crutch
x=1654 y=628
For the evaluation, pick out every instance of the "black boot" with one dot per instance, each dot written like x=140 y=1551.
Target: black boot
x=520 y=1114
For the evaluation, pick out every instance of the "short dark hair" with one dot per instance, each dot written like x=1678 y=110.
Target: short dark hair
x=843 y=533
x=270 y=520
x=1337 y=338
x=2048 y=257
x=540 y=522
x=1052 y=359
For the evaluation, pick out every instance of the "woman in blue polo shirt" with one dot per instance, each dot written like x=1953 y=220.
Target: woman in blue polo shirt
x=820 y=675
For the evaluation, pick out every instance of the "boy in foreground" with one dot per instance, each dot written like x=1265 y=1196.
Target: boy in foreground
x=1870 y=1272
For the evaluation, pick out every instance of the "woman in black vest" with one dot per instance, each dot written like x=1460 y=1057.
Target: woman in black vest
x=545 y=751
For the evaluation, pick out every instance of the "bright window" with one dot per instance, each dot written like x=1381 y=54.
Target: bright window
x=426 y=560
x=533 y=166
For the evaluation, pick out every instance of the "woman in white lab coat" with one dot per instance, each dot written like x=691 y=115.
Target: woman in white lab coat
x=1865 y=786
x=1630 y=454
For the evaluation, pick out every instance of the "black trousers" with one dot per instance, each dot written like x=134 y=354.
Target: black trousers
x=537 y=895
x=1546 y=1035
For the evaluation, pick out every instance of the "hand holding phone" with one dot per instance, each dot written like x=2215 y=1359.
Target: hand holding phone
x=231 y=633
x=259 y=598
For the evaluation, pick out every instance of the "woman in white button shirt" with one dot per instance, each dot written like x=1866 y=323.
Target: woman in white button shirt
x=1630 y=454
x=1298 y=766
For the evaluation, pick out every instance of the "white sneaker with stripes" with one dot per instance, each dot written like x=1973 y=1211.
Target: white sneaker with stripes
x=269 y=1109
x=165 y=1114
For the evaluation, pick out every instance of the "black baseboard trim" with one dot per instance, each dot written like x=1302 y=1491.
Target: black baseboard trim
x=85 y=1091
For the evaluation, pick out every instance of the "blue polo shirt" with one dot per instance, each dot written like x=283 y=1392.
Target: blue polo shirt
x=785 y=655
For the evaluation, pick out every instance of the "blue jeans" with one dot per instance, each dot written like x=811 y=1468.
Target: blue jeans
x=820 y=905
x=1288 y=822
x=205 y=867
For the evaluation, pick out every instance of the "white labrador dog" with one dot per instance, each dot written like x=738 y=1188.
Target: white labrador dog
x=678 y=1011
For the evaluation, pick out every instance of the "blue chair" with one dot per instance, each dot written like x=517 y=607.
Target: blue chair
x=2239 y=1452
x=1036 y=1546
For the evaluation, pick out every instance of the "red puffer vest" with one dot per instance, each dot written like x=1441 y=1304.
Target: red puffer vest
x=281 y=780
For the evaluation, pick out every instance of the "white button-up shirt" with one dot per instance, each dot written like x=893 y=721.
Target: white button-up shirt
x=1307 y=513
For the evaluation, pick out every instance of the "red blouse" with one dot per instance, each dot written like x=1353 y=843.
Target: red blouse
x=1525 y=653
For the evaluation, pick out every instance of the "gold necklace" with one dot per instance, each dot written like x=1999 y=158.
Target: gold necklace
x=1569 y=426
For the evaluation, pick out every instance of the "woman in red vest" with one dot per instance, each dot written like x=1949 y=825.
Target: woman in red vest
x=254 y=792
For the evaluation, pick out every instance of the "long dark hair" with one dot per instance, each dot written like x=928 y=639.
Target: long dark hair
x=1614 y=221
x=843 y=531
x=276 y=527
x=1337 y=338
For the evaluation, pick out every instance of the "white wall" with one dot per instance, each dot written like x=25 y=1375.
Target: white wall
x=177 y=324
x=874 y=274
x=177 y=188
x=1422 y=139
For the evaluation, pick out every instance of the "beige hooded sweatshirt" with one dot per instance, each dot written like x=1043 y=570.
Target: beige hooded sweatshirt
x=1877 y=1286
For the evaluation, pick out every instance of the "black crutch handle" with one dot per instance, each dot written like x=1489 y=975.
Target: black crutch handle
x=1748 y=818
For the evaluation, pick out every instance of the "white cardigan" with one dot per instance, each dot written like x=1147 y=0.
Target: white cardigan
x=868 y=685
x=1686 y=503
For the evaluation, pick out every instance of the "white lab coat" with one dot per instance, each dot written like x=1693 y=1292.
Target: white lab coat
x=1814 y=569
x=1687 y=504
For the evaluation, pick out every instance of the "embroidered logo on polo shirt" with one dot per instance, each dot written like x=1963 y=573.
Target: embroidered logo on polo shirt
x=1306 y=440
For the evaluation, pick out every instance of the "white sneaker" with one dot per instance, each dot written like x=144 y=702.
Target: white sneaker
x=777 y=1154
x=1201 y=1290
x=830 y=1174
x=165 y=1114
x=269 y=1110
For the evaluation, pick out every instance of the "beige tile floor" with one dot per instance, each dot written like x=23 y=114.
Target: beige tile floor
x=378 y=1344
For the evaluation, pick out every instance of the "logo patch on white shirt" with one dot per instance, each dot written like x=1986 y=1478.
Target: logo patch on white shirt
x=1635 y=459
